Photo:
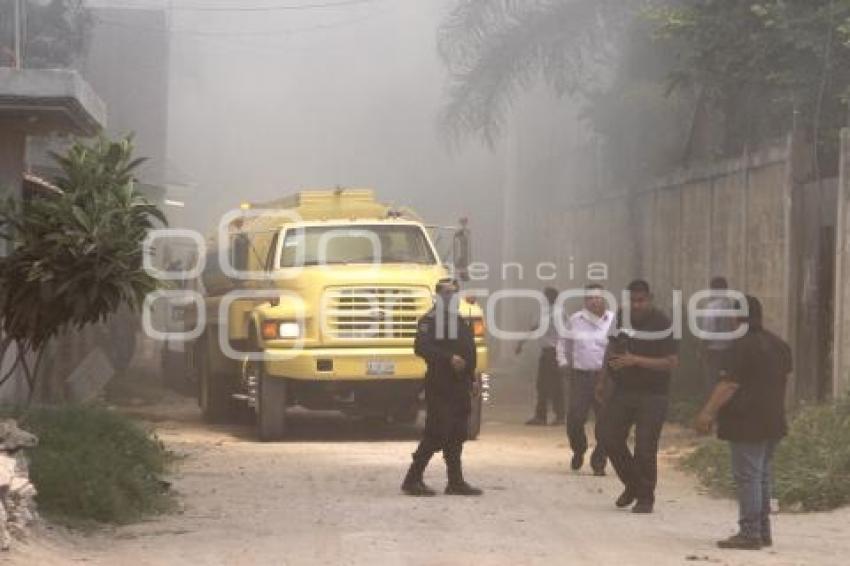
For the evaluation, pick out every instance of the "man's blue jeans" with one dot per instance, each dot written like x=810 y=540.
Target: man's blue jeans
x=751 y=463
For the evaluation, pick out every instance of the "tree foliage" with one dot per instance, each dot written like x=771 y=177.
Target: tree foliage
x=75 y=256
x=56 y=33
x=641 y=127
x=765 y=66
x=711 y=76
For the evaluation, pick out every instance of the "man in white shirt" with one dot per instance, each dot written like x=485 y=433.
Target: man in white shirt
x=581 y=357
x=549 y=386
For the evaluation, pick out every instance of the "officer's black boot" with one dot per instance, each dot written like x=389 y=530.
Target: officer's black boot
x=413 y=484
x=457 y=485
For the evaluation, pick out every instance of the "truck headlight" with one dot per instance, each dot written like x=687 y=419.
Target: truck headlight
x=273 y=329
x=289 y=330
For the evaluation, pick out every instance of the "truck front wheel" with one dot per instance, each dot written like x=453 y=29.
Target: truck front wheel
x=271 y=405
x=214 y=395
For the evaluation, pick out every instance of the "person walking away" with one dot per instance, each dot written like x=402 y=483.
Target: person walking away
x=446 y=343
x=749 y=407
x=714 y=354
x=640 y=362
x=581 y=359
x=462 y=249
x=549 y=384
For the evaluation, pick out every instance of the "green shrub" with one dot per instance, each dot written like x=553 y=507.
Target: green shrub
x=812 y=464
x=711 y=464
x=92 y=464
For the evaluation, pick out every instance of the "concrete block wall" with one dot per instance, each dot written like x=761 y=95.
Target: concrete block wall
x=731 y=218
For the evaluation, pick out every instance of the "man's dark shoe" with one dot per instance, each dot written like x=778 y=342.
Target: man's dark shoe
x=417 y=488
x=740 y=542
x=643 y=507
x=577 y=462
x=599 y=472
x=462 y=488
x=626 y=498
x=536 y=421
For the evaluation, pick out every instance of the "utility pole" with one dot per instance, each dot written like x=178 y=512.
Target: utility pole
x=19 y=32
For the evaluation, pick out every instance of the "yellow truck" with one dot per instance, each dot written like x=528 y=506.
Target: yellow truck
x=313 y=301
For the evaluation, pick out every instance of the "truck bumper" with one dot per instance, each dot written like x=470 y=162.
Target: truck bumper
x=352 y=364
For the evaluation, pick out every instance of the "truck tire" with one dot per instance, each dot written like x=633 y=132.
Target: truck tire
x=474 y=428
x=214 y=392
x=271 y=405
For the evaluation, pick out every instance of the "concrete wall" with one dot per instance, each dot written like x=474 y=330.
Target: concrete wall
x=749 y=219
x=728 y=219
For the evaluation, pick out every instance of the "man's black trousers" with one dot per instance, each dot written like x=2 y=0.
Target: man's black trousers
x=582 y=398
x=446 y=429
x=645 y=412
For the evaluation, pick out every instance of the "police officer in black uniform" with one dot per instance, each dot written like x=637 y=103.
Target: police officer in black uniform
x=446 y=343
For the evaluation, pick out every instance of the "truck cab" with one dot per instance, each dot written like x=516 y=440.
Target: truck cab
x=318 y=308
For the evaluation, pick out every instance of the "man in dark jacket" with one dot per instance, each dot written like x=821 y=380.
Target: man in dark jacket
x=639 y=364
x=446 y=343
x=749 y=406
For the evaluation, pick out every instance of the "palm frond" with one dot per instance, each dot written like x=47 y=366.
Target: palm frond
x=470 y=24
x=494 y=49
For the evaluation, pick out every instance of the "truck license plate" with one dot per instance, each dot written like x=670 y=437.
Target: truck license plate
x=380 y=367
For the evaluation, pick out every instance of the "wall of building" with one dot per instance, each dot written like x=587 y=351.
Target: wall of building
x=728 y=219
x=748 y=219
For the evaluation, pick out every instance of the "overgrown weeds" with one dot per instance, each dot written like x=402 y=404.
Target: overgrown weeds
x=96 y=465
x=812 y=464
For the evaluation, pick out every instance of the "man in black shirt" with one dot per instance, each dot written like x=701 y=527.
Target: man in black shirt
x=446 y=343
x=749 y=406
x=640 y=360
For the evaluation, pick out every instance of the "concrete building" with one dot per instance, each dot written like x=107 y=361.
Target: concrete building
x=36 y=102
x=126 y=63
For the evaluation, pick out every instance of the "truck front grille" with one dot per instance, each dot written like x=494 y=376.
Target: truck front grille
x=358 y=313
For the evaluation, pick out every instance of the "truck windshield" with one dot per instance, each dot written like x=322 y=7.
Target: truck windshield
x=335 y=245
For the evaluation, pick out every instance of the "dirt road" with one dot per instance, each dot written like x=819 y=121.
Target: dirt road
x=330 y=496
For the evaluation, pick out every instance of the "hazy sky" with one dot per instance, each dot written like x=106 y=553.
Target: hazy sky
x=266 y=102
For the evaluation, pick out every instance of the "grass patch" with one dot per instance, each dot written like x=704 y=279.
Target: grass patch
x=812 y=464
x=95 y=465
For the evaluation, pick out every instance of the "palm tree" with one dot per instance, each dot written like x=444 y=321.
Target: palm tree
x=494 y=49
